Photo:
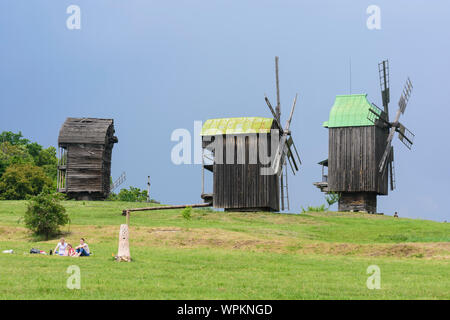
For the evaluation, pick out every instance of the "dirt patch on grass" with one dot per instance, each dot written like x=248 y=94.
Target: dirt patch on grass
x=202 y=237
x=267 y=241
x=13 y=233
x=438 y=250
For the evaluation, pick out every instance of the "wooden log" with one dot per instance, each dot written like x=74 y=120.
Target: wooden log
x=199 y=205
x=124 y=246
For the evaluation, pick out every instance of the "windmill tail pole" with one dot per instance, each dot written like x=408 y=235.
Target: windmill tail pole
x=126 y=212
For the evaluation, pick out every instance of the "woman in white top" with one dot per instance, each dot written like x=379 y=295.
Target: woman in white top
x=61 y=247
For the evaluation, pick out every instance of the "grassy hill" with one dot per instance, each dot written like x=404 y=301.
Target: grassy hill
x=218 y=255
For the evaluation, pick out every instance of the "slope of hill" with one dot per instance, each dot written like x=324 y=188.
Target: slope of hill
x=218 y=255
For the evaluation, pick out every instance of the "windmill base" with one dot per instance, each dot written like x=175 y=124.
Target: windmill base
x=86 y=196
x=358 y=201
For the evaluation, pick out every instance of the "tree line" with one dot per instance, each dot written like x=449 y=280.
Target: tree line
x=26 y=168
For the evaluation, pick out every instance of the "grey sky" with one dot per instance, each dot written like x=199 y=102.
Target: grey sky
x=156 y=66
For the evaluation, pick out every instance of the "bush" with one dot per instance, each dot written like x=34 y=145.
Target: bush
x=45 y=214
x=314 y=209
x=332 y=198
x=132 y=195
x=22 y=180
x=186 y=213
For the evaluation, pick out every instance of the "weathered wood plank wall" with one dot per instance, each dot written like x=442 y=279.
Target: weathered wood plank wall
x=354 y=154
x=241 y=186
x=89 y=143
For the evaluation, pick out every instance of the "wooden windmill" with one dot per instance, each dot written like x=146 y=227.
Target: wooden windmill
x=233 y=150
x=360 y=146
x=85 y=150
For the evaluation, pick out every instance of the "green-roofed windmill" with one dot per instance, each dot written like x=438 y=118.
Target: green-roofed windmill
x=360 y=150
x=246 y=175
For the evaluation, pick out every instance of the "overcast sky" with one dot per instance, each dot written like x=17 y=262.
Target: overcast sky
x=156 y=66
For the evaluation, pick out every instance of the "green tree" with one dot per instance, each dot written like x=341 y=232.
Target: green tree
x=45 y=214
x=332 y=198
x=14 y=149
x=47 y=160
x=22 y=180
x=12 y=154
x=34 y=149
x=132 y=195
x=13 y=138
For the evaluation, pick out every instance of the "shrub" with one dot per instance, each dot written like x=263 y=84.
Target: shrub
x=132 y=195
x=22 y=180
x=332 y=198
x=186 y=213
x=314 y=209
x=45 y=214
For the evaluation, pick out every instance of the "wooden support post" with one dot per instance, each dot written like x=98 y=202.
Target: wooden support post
x=148 y=189
x=128 y=217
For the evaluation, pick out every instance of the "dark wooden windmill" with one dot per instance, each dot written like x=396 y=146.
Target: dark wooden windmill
x=247 y=157
x=360 y=155
x=85 y=149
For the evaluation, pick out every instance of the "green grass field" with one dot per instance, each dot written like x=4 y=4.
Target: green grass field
x=218 y=255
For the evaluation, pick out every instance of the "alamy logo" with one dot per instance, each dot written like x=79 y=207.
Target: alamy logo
x=249 y=148
x=374 y=280
x=73 y=22
x=74 y=281
x=374 y=19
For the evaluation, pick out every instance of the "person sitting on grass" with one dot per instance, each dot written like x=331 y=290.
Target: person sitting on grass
x=83 y=249
x=70 y=251
x=60 y=248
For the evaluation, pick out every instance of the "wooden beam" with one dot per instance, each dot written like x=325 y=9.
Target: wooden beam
x=126 y=212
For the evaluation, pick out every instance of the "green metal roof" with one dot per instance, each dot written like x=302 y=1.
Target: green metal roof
x=214 y=127
x=350 y=111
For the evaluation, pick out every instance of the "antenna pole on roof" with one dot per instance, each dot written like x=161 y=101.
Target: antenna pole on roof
x=350 y=75
x=278 y=107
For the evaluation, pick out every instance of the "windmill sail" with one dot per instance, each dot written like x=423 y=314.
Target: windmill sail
x=391 y=169
x=383 y=72
x=282 y=148
x=405 y=135
x=405 y=96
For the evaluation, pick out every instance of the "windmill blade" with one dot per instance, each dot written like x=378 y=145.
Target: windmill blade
x=403 y=102
x=278 y=161
x=383 y=72
x=290 y=156
x=118 y=181
x=288 y=122
x=282 y=149
x=385 y=158
x=377 y=116
x=296 y=153
x=292 y=160
x=290 y=164
x=391 y=169
x=273 y=113
x=405 y=136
